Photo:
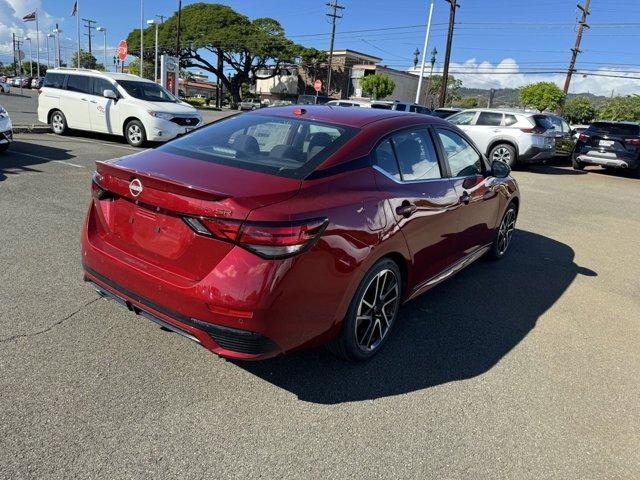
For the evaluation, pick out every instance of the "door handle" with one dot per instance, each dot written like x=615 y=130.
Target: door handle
x=465 y=198
x=406 y=209
x=93 y=101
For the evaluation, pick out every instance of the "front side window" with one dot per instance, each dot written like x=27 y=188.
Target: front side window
x=463 y=159
x=416 y=155
x=100 y=85
x=279 y=146
x=462 y=118
x=490 y=119
x=78 y=83
x=149 y=91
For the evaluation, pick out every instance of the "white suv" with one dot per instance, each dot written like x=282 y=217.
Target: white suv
x=114 y=103
x=6 y=130
x=507 y=135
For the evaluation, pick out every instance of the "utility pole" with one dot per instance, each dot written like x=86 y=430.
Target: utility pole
x=576 y=49
x=447 y=55
x=178 y=33
x=89 y=25
x=161 y=17
x=492 y=94
x=334 y=16
x=15 y=64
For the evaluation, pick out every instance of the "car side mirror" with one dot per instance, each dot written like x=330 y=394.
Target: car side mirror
x=110 y=94
x=500 y=169
x=573 y=131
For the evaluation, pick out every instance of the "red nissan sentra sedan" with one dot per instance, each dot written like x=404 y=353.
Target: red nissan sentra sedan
x=291 y=227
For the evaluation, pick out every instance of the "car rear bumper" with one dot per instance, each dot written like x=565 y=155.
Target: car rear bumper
x=607 y=161
x=537 y=154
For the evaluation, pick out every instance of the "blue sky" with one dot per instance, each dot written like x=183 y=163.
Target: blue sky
x=496 y=43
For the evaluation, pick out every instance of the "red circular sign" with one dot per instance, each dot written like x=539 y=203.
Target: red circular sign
x=122 y=50
x=317 y=85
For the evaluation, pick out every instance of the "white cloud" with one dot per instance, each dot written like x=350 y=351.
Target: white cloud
x=508 y=74
x=11 y=13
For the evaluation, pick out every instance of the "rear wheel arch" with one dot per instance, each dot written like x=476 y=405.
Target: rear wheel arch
x=500 y=141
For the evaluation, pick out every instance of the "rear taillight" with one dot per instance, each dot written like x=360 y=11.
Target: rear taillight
x=266 y=239
x=97 y=190
x=536 y=130
x=632 y=141
x=583 y=137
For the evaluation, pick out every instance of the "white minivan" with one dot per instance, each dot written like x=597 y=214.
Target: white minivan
x=114 y=103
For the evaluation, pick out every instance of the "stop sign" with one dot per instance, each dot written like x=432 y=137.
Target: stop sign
x=317 y=85
x=122 y=50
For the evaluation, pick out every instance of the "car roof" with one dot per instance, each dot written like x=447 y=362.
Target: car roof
x=350 y=117
x=513 y=111
x=98 y=73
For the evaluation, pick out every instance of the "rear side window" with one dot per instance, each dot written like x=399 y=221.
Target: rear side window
x=462 y=157
x=510 y=120
x=416 y=155
x=386 y=159
x=556 y=123
x=489 y=119
x=615 y=128
x=78 y=83
x=53 y=80
x=400 y=107
x=280 y=146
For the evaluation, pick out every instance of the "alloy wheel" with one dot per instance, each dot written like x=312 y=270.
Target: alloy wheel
x=135 y=133
x=377 y=309
x=57 y=124
x=507 y=226
x=502 y=154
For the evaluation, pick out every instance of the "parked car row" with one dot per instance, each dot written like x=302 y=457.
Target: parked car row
x=6 y=130
x=22 y=81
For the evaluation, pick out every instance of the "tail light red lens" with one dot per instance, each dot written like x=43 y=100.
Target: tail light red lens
x=97 y=190
x=266 y=239
x=632 y=141
x=583 y=137
x=536 y=130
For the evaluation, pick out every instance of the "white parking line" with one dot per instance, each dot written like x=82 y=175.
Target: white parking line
x=46 y=159
x=100 y=143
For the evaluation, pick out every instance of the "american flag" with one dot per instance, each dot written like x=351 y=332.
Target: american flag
x=30 y=17
x=74 y=10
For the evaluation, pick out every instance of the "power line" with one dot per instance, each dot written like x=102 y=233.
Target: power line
x=89 y=25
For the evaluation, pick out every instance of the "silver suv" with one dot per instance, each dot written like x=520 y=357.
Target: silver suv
x=510 y=136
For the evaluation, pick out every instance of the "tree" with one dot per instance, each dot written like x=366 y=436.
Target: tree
x=579 y=110
x=26 y=69
x=453 y=90
x=134 y=68
x=377 y=85
x=246 y=46
x=542 y=96
x=468 y=102
x=621 y=108
x=87 y=60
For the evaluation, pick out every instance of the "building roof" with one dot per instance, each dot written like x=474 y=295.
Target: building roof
x=203 y=85
x=352 y=53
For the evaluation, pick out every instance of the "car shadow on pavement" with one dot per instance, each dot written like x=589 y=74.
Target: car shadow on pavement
x=458 y=330
x=23 y=156
x=554 y=170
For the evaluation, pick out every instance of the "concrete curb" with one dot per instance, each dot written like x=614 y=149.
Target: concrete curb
x=31 y=129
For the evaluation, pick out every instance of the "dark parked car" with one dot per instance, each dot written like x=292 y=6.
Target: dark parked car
x=614 y=145
x=26 y=82
x=565 y=140
x=445 y=112
x=313 y=99
x=285 y=228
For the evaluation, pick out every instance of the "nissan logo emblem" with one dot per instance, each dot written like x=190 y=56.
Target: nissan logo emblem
x=135 y=187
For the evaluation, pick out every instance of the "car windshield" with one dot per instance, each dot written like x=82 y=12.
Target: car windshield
x=624 y=129
x=149 y=91
x=280 y=146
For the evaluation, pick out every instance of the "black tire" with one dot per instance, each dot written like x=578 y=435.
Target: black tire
x=135 y=134
x=505 y=153
x=356 y=330
x=576 y=164
x=58 y=123
x=506 y=228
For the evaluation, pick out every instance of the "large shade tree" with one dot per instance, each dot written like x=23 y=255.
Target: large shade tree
x=213 y=31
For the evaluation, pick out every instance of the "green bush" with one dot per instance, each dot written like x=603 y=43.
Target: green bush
x=195 y=101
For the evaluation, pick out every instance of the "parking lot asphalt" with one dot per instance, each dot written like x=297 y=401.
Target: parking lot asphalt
x=525 y=368
x=23 y=108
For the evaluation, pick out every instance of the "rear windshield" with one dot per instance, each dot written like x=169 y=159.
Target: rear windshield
x=615 y=128
x=280 y=146
x=542 y=121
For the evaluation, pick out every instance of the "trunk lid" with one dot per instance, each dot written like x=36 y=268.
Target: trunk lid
x=143 y=199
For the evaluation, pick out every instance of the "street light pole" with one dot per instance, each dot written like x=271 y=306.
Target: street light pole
x=48 y=36
x=424 y=51
x=57 y=31
x=155 y=62
x=28 y=39
x=141 y=38
x=104 y=31
x=434 y=52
